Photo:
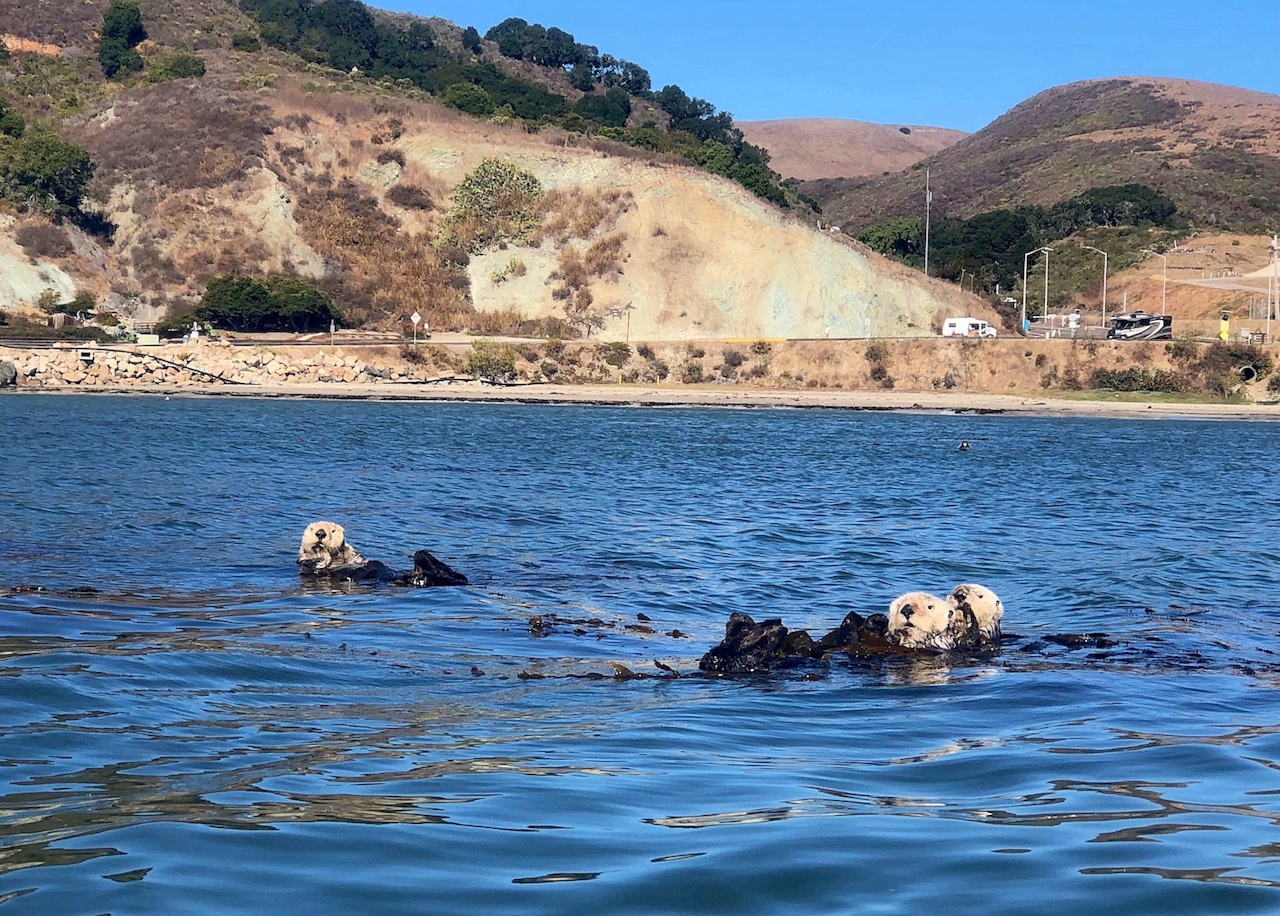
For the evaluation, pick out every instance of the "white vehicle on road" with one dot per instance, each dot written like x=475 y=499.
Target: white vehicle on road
x=967 y=327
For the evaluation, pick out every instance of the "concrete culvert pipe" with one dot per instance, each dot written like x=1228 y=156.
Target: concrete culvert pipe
x=1247 y=373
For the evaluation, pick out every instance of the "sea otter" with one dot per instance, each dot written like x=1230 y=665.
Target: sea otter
x=325 y=553
x=981 y=611
x=919 y=620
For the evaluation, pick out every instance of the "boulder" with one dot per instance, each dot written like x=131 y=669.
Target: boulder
x=8 y=374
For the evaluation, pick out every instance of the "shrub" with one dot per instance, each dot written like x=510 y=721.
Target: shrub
x=645 y=351
x=1183 y=351
x=492 y=362
x=661 y=369
x=548 y=368
x=245 y=41
x=733 y=359
x=411 y=197
x=762 y=348
x=470 y=99
x=697 y=352
x=413 y=355
x=691 y=374
x=388 y=156
x=497 y=201
x=11 y=123
x=615 y=353
x=42 y=240
x=877 y=353
x=555 y=348
x=1229 y=356
x=1134 y=379
x=180 y=65
x=1273 y=386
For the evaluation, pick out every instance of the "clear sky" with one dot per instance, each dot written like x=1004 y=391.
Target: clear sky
x=929 y=62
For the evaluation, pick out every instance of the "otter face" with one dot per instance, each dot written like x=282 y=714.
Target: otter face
x=324 y=544
x=918 y=620
x=980 y=605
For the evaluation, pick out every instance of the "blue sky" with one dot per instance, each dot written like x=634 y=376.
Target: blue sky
x=934 y=63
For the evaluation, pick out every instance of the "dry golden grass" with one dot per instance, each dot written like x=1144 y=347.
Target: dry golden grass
x=575 y=213
x=384 y=273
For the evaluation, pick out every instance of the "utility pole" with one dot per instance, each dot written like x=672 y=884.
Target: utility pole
x=928 y=200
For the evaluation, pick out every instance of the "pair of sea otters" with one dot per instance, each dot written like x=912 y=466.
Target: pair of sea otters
x=967 y=619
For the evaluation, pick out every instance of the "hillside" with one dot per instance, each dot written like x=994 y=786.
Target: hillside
x=811 y=148
x=1214 y=150
x=267 y=164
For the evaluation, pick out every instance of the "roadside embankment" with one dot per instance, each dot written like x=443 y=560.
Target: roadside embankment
x=897 y=371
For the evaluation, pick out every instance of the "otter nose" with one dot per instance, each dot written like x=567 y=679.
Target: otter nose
x=907 y=611
x=320 y=534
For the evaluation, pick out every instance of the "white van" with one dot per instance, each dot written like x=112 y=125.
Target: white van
x=967 y=327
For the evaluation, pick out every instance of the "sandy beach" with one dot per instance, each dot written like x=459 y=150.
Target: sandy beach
x=717 y=396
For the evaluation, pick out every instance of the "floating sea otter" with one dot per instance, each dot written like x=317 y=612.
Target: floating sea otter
x=969 y=618
x=325 y=553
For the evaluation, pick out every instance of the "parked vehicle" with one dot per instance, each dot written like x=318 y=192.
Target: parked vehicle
x=1140 y=326
x=967 y=327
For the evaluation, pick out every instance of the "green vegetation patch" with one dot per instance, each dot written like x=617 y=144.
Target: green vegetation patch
x=496 y=202
x=275 y=303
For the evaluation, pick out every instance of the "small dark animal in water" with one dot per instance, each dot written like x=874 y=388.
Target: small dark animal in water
x=749 y=646
x=428 y=571
x=326 y=554
x=964 y=447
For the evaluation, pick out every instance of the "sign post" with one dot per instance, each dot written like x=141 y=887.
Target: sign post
x=415 y=318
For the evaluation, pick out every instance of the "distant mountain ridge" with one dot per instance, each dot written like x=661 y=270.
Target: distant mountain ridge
x=1214 y=150
x=813 y=148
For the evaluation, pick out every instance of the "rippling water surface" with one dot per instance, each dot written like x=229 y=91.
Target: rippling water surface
x=185 y=728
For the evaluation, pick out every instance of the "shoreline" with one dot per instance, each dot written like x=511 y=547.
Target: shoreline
x=951 y=402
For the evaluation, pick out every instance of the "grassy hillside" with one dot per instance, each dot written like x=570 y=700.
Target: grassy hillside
x=812 y=148
x=1213 y=150
x=257 y=161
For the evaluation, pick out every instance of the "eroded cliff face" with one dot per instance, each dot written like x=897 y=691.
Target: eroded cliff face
x=314 y=183
x=704 y=258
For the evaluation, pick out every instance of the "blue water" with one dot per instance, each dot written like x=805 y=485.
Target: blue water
x=202 y=733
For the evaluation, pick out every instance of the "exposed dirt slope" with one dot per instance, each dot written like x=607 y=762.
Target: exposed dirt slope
x=1215 y=150
x=809 y=148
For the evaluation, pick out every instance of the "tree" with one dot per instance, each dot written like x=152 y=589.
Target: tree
x=4 y=53
x=471 y=40
x=611 y=109
x=43 y=166
x=272 y=304
x=114 y=55
x=469 y=98
x=122 y=31
x=582 y=78
x=123 y=22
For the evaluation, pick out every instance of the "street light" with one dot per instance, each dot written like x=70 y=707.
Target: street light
x=1164 y=277
x=1104 y=281
x=1046 y=251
